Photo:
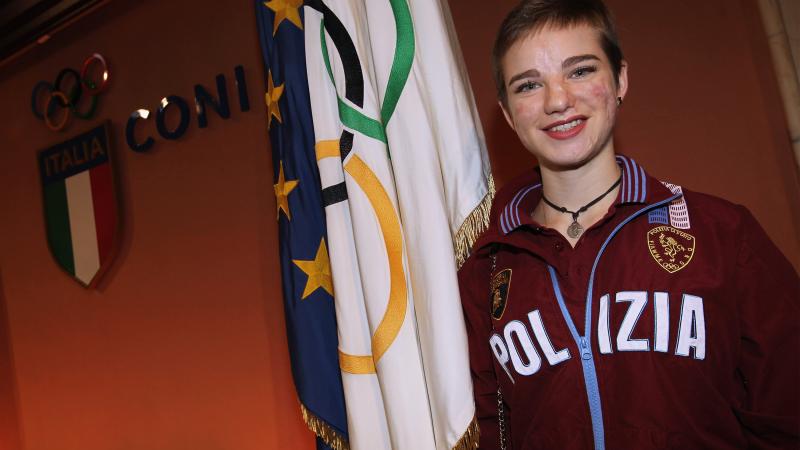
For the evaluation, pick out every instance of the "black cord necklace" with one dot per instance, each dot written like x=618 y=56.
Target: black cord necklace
x=575 y=229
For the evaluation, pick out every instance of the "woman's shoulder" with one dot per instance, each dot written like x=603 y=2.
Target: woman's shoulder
x=528 y=177
x=502 y=199
x=709 y=210
x=510 y=189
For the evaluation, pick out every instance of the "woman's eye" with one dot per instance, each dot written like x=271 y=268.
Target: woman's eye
x=526 y=86
x=581 y=72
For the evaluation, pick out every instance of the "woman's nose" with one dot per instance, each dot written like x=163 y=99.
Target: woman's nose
x=557 y=98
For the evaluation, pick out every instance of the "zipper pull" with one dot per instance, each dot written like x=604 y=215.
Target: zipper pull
x=586 y=352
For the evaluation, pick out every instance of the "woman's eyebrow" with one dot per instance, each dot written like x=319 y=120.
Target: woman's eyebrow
x=572 y=60
x=533 y=73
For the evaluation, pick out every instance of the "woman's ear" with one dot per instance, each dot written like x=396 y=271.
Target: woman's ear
x=622 y=80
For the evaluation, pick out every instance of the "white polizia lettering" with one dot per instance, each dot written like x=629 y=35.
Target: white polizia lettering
x=603 y=326
x=534 y=360
x=516 y=344
x=662 y=321
x=638 y=301
x=501 y=353
x=692 y=328
x=553 y=357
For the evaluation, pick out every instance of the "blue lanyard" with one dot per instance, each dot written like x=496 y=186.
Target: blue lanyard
x=582 y=341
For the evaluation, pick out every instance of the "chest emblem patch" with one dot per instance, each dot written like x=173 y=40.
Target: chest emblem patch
x=671 y=248
x=500 y=285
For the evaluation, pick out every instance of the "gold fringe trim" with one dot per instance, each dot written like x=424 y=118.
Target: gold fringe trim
x=469 y=441
x=475 y=224
x=324 y=431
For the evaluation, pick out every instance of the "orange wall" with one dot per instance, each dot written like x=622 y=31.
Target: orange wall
x=9 y=424
x=183 y=345
x=703 y=109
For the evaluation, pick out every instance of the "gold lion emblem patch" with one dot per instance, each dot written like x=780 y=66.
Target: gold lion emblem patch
x=501 y=282
x=671 y=248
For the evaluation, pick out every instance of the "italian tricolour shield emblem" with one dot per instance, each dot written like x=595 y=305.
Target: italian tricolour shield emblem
x=80 y=205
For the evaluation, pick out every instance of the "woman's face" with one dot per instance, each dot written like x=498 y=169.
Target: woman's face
x=562 y=96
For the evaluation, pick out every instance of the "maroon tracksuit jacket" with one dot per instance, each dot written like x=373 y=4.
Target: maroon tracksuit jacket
x=673 y=323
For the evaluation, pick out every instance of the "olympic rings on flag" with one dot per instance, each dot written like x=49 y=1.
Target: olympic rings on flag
x=57 y=98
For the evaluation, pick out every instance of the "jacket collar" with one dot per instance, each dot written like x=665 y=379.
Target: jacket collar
x=636 y=187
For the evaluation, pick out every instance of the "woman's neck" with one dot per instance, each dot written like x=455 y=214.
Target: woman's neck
x=573 y=189
x=577 y=187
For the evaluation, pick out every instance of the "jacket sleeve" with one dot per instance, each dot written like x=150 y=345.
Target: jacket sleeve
x=768 y=292
x=473 y=280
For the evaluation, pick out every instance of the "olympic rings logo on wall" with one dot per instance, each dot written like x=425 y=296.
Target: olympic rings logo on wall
x=66 y=95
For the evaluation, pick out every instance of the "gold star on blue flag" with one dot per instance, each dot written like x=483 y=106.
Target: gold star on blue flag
x=318 y=271
x=285 y=10
x=272 y=99
x=283 y=188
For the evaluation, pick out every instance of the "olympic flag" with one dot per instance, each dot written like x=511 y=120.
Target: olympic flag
x=406 y=189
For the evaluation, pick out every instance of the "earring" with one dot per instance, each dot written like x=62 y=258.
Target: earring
x=619 y=101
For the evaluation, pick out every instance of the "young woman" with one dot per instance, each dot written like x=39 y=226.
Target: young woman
x=605 y=308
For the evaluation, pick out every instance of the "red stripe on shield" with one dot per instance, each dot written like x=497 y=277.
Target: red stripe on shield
x=105 y=215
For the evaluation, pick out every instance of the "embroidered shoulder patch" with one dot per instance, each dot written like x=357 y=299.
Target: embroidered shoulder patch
x=660 y=215
x=500 y=285
x=678 y=213
x=671 y=248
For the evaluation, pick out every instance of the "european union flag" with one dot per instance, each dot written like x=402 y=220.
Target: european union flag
x=305 y=269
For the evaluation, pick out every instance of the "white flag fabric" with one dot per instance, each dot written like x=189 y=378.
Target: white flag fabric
x=407 y=188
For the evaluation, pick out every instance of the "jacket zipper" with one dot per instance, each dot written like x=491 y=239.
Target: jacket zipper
x=582 y=341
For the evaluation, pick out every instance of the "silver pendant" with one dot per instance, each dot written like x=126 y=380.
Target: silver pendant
x=574 y=229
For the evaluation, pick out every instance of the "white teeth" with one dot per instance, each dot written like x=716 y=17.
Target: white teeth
x=567 y=126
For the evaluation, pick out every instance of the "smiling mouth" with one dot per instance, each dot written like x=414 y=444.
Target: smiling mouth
x=566 y=129
x=566 y=126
